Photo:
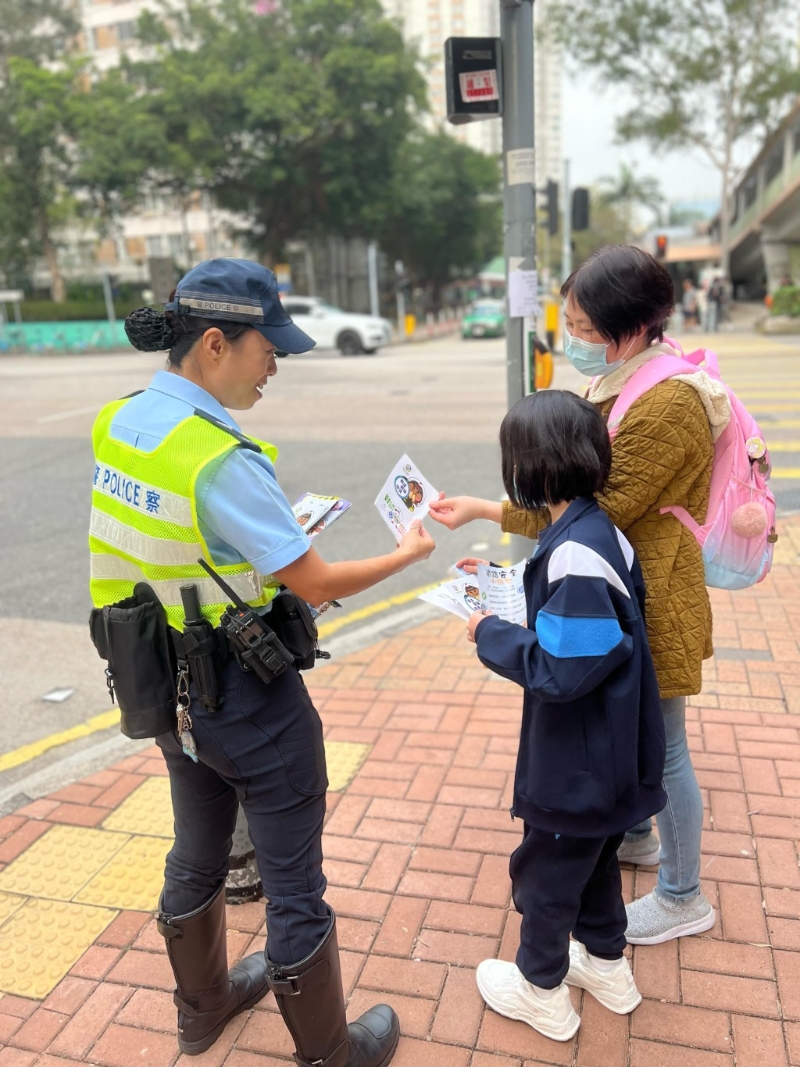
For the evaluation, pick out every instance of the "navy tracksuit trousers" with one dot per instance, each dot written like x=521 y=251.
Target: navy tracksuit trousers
x=561 y=886
x=263 y=748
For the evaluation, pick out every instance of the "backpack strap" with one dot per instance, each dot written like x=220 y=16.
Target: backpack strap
x=651 y=374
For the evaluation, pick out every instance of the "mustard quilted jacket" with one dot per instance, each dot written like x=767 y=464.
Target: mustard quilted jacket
x=661 y=457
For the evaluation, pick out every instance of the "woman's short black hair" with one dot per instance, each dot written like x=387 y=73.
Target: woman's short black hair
x=623 y=289
x=156 y=330
x=555 y=447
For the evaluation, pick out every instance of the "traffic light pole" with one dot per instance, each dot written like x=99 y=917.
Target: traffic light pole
x=566 y=246
x=519 y=179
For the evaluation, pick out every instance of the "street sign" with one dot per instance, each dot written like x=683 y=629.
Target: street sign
x=11 y=296
x=474 y=78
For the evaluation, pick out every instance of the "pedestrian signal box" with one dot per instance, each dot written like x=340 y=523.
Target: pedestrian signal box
x=474 y=78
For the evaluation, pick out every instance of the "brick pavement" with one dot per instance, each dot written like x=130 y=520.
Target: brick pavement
x=416 y=855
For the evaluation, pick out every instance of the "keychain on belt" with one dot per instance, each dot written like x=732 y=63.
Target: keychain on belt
x=185 y=734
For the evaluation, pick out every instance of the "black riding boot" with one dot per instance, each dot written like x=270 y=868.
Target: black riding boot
x=207 y=994
x=311 y=1001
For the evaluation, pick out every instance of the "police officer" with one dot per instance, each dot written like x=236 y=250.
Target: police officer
x=179 y=481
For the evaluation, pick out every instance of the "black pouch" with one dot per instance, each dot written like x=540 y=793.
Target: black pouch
x=133 y=636
x=294 y=624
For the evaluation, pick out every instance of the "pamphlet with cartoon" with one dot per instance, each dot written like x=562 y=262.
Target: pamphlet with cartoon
x=495 y=589
x=405 y=497
x=461 y=597
x=502 y=592
x=316 y=513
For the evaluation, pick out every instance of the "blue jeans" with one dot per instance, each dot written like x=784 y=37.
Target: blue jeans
x=680 y=824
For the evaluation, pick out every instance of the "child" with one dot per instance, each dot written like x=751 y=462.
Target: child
x=591 y=751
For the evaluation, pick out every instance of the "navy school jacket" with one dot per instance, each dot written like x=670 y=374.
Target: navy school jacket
x=591 y=752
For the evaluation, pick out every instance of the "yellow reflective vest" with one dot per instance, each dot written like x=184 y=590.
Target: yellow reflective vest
x=144 y=525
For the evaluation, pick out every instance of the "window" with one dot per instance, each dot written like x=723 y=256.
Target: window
x=155 y=245
x=773 y=165
x=126 y=31
x=176 y=245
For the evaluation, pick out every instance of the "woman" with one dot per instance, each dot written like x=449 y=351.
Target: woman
x=617 y=307
x=196 y=486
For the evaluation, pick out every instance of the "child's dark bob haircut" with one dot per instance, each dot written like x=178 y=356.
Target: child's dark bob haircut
x=555 y=447
x=623 y=290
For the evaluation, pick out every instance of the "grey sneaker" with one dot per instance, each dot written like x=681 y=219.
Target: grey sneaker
x=652 y=919
x=642 y=851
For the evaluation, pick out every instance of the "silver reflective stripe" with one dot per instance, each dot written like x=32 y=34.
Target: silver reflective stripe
x=146 y=499
x=249 y=585
x=160 y=551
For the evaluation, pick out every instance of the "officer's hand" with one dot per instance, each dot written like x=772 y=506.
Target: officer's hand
x=417 y=543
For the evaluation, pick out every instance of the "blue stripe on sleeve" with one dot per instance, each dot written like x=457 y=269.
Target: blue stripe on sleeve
x=570 y=637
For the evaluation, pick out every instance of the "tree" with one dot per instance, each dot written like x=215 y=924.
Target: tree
x=295 y=118
x=628 y=190
x=32 y=33
x=705 y=73
x=34 y=160
x=445 y=221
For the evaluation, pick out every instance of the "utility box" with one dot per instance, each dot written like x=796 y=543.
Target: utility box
x=474 y=78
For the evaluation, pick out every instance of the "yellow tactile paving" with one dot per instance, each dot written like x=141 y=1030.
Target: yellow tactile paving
x=8 y=905
x=42 y=940
x=61 y=862
x=344 y=759
x=132 y=879
x=148 y=811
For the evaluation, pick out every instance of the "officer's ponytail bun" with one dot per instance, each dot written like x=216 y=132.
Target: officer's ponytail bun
x=149 y=330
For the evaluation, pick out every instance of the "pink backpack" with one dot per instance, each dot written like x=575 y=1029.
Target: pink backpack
x=738 y=535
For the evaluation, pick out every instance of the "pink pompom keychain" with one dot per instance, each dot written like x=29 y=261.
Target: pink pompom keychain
x=749 y=520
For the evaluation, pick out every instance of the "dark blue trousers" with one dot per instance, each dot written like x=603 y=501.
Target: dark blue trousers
x=263 y=748
x=561 y=886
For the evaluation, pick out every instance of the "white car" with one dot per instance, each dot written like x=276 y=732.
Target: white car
x=333 y=328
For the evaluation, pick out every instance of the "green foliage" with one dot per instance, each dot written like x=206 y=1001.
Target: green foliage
x=38 y=30
x=705 y=73
x=445 y=220
x=296 y=118
x=786 y=301
x=75 y=310
x=629 y=191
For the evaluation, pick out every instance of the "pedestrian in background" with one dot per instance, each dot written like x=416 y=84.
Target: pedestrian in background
x=689 y=306
x=195 y=485
x=617 y=306
x=716 y=303
x=591 y=751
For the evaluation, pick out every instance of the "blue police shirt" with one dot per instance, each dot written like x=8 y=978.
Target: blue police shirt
x=243 y=513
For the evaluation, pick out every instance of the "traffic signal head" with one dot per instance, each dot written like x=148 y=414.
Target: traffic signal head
x=661 y=246
x=552 y=207
x=580 y=209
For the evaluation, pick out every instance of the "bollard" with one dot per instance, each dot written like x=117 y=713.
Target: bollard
x=243 y=883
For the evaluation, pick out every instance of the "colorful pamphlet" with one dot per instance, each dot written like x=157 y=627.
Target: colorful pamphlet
x=497 y=590
x=405 y=497
x=316 y=513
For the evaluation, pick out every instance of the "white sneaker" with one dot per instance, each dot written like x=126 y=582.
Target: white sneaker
x=653 y=920
x=641 y=851
x=506 y=990
x=614 y=988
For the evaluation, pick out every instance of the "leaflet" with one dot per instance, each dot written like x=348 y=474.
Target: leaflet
x=502 y=591
x=498 y=590
x=405 y=497
x=316 y=513
x=461 y=597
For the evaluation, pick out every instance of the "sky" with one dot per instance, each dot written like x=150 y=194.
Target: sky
x=587 y=131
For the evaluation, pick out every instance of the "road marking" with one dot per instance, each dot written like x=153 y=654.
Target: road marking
x=69 y=414
x=26 y=753
x=784 y=446
x=785 y=473
x=326 y=629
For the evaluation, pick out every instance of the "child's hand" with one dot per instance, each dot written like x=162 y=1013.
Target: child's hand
x=470 y=564
x=472 y=625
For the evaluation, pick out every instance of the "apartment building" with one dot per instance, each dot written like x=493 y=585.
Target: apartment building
x=430 y=22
